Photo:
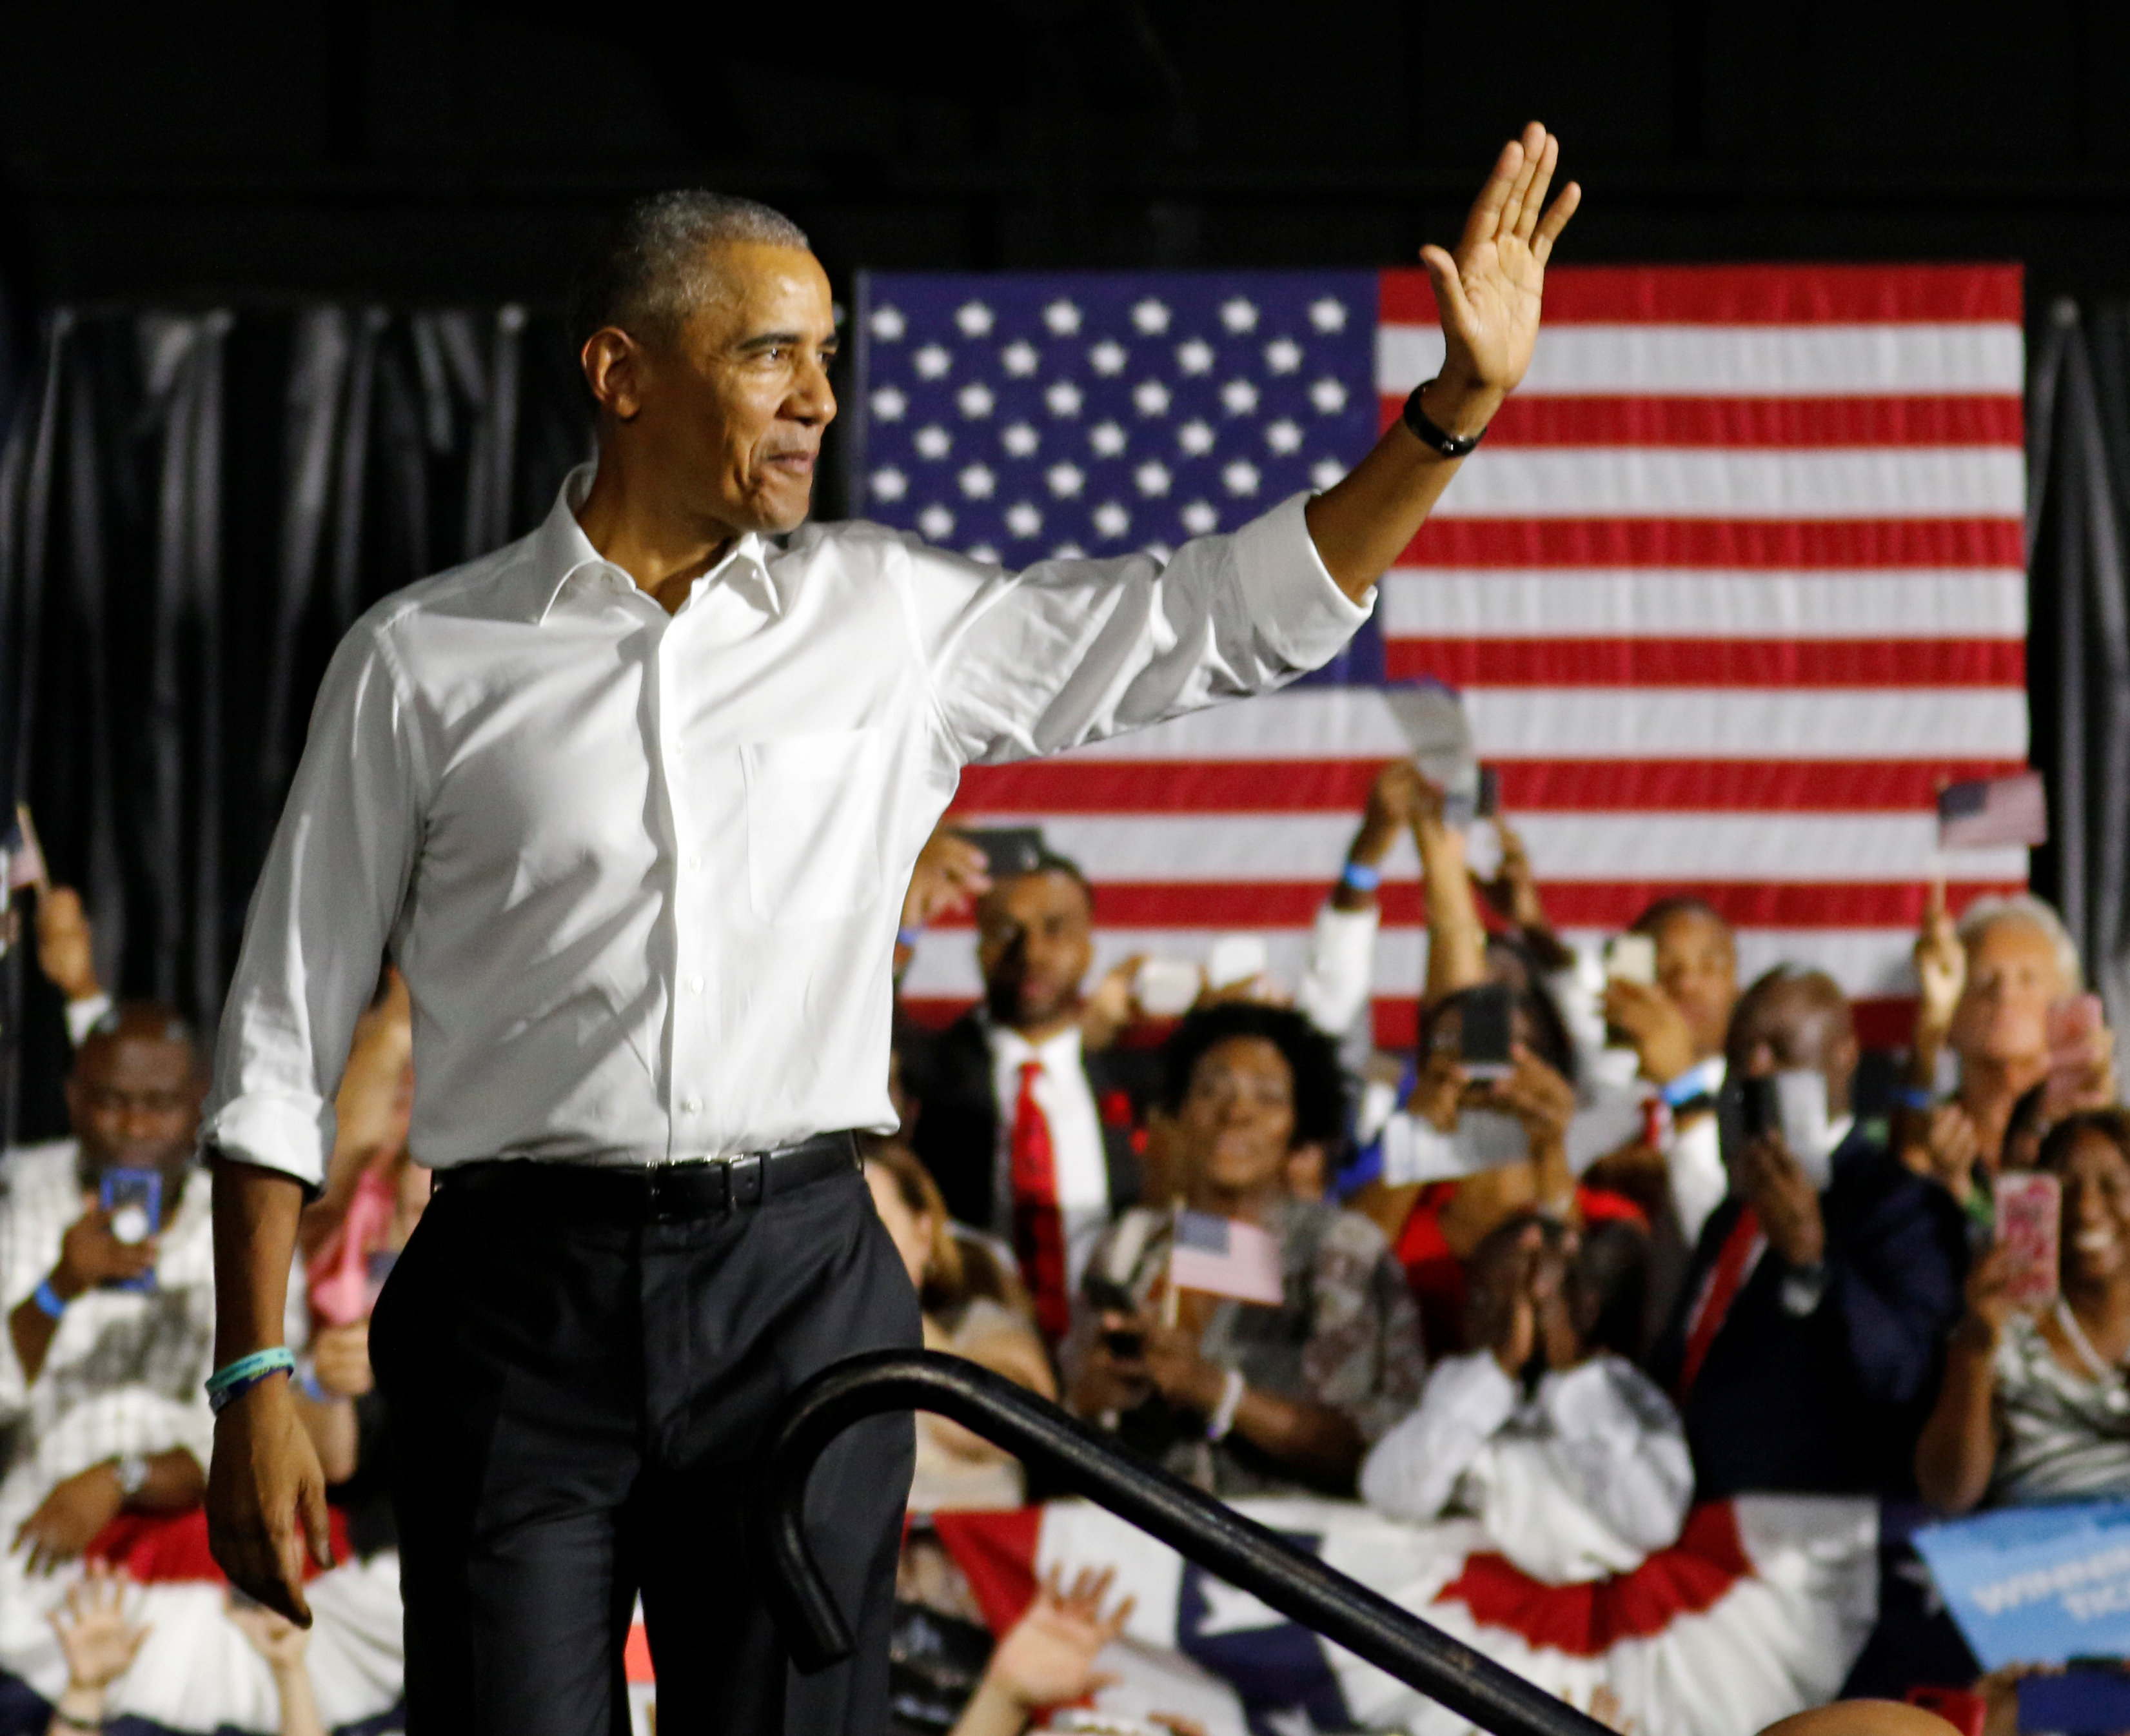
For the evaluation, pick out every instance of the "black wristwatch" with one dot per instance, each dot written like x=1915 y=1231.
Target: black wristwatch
x=1451 y=446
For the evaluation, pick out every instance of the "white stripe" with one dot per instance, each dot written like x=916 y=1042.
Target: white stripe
x=1703 y=723
x=1675 y=482
x=1864 y=961
x=1807 y=361
x=1752 y=849
x=1607 y=723
x=1669 y=603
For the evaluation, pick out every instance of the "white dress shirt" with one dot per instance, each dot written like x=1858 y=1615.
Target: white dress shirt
x=1079 y=1159
x=642 y=872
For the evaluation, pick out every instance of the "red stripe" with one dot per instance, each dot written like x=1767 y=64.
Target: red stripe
x=1976 y=419
x=1653 y=662
x=1882 y=1021
x=1157 y=786
x=1249 y=904
x=1777 y=542
x=1805 y=295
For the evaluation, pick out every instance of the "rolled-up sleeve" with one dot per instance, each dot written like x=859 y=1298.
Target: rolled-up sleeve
x=332 y=889
x=1070 y=650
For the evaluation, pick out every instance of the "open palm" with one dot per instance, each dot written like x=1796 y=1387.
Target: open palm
x=1488 y=291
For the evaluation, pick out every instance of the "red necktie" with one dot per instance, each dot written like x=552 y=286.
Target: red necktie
x=1726 y=1279
x=1039 y=1230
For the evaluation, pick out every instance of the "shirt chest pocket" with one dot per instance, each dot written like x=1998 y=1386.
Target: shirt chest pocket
x=816 y=814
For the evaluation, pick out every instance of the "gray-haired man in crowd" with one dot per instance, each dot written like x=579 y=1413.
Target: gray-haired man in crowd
x=632 y=803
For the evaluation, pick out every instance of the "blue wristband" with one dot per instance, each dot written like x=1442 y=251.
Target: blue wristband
x=49 y=1301
x=909 y=936
x=1914 y=1096
x=233 y=1379
x=1696 y=1082
x=1360 y=877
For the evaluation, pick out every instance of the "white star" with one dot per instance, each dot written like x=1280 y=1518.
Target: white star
x=890 y=485
x=983 y=551
x=1238 y=315
x=978 y=482
x=1161 y=552
x=1200 y=519
x=1106 y=438
x=1328 y=395
x=1195 y=438
x=1282 y=436
x=1229 y=1611
x=887 y=323
x=932 y=360
x=1064 y=478
x=1067 y=551
x=1282 y=355
x=1152 y=477
x=1241 y=477
x=974 y=319
x=1239 y=398
x=1108 y=357
x=1151 y=316
x=1293 y=1721
x=1150 y=398
x=1020 y=358
x=1111 y=520
x=975 y=399
x=888 y=403
x=1062 y=317
x=1325 y=471
x=1023 y=520
x=1021 y=440
x=933 y=442
x=936 y=522
x=1328 y=314
x=1062 y=398
x=1194 y=356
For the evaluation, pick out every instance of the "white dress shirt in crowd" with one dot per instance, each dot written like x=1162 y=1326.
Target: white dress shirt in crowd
x=1582 y=1478
x=123 y=1372
x=1078 y=1158
x=642 y=872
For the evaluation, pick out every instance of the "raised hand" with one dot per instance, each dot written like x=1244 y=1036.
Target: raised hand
x=1487 y=292
x=97 y=1640
x=63 y=951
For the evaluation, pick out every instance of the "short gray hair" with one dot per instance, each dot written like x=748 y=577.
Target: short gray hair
x=648 y=268
x=1987 y=912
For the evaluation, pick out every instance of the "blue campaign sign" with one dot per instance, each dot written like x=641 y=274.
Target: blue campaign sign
x=2037 y=1584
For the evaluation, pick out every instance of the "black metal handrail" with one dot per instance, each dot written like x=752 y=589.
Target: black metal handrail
x=1200 y=1528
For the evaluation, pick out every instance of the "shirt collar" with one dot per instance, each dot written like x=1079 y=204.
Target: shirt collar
x=1058 y=1053
x=561 y=550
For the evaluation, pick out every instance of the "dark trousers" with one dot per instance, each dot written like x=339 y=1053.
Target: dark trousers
x=574 y=1408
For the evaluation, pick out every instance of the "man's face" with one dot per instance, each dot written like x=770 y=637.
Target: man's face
x=1236 y=1126
x=1035 y=940
x=135 y=1103
x=2013 y=980
x=1698 y=966
x=1787 y=1027
x=731 y=409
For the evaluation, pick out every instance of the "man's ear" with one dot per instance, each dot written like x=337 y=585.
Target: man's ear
x=614 y=365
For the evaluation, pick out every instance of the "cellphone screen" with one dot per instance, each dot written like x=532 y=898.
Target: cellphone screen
x=1485 y=1031
x=1632 y=958
x=1760 y=1106
x=134 y=1198
x=2029 y=1223
x=1008 y=849
x=1488 y=802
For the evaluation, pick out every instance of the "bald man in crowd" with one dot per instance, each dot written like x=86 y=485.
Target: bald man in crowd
x=632 y=803
x=1807 y=1339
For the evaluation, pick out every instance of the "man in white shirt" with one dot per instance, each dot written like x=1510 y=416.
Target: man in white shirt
x=631 y=804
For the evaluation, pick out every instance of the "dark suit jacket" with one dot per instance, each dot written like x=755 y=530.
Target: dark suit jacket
x=1829 y=1402
x=949 y=1072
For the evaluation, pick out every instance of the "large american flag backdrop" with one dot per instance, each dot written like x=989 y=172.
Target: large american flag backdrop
x=1734 y=583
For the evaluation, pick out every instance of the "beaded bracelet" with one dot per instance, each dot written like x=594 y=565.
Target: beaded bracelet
x=229 y=1383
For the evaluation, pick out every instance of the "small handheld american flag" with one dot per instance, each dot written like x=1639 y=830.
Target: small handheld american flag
x=1225 y=1257
x=1988 y=813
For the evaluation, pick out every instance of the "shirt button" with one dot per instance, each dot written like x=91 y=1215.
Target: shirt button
x=692 y=1105
x=694 y=862
x=694 y=985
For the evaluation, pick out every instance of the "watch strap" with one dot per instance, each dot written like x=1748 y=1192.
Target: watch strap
x=1434 y=438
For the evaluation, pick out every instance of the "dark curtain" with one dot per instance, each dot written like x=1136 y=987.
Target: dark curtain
x=2079 y=672
x=193 y=507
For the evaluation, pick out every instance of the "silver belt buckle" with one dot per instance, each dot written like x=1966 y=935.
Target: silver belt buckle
x=746 y=1174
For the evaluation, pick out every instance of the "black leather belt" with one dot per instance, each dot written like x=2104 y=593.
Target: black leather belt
x=649 y=1193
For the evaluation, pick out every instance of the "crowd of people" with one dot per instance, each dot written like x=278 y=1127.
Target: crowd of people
x=1566 y=1291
